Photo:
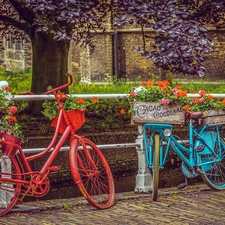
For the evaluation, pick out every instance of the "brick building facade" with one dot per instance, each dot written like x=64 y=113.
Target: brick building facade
x=113 y=56
x=15 y=56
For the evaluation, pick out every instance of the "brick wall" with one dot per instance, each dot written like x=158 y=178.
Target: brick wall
x=99 y=66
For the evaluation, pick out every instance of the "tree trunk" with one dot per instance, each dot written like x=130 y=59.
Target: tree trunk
x=49 y=66
x=166 y=75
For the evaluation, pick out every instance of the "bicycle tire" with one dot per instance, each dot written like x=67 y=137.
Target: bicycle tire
x=214 y=174
x=97 y=186
x=155 y=168
x=8 y=192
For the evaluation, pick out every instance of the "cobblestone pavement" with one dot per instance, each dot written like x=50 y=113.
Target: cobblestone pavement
x=196 y=204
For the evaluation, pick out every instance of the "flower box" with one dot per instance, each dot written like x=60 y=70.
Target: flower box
x=153 y=112
x=76 y=117
x=213 y=117
x=9 y=144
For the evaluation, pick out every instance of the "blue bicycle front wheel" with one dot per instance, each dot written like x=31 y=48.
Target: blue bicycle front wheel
x=213 y=174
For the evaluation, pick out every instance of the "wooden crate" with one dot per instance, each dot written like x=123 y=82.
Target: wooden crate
x=153 y=112
x=212 y=117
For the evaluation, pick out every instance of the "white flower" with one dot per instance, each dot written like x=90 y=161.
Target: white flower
x=136 y=90
x=3 y=84
x=8 y=96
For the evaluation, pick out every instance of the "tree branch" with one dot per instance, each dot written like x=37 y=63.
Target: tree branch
x=24 y=13
x=10 y=21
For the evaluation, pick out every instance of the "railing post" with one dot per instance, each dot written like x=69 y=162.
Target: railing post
x=143 y=178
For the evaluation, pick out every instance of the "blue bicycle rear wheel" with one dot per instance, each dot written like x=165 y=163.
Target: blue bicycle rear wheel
x=213 y=174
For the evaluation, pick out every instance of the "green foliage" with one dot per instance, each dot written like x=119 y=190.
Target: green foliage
x=8 y=121
x=102 y=117
x=10 y=126
x=105 y=116
x=119 y=87
x=212 y=88
x=176 y=196
x=161 y=92
x=66 y=206
x=19 y=81
x=51 y=108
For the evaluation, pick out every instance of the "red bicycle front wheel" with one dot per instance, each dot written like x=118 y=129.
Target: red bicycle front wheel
x=92 y=173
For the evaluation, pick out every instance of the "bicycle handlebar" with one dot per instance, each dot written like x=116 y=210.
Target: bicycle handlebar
x=60 y=87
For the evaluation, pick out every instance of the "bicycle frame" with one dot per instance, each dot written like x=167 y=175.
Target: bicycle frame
x=189 y=155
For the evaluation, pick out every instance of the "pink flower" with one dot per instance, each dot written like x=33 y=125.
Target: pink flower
x=202 y=99
x=165 y=101
x=175 y=91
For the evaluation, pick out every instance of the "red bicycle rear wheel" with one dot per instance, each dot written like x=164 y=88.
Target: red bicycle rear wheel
x=9 y=192
x=92 y=173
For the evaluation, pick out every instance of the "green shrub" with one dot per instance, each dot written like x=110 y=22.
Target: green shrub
x=102 y=117
x=19 y=81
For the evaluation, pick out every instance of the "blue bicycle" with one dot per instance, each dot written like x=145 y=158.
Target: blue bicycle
x=203 y=155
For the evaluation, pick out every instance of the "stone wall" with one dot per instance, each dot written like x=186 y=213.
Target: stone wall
x=14 y=58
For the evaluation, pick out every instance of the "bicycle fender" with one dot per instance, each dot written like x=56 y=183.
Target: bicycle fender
x=206 y=138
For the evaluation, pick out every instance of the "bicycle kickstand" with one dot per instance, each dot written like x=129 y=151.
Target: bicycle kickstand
x=183 y=185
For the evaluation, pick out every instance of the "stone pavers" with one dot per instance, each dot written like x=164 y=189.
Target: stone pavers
x=193 y=205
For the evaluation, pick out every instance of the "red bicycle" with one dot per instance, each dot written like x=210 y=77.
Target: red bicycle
x=88 y=165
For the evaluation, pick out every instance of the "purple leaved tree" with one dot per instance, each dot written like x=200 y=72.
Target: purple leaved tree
x=50 y=26
x=181 y=40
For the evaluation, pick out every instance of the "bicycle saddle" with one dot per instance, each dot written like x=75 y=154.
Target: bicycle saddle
x=195 y=115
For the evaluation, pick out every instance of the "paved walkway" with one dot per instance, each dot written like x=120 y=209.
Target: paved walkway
x=196 y=204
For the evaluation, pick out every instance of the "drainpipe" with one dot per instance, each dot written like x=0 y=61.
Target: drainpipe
x=115 y=44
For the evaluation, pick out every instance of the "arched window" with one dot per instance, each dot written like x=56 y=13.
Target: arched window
x=18 y=45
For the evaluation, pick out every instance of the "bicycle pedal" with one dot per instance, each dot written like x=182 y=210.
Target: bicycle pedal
x=54 y=168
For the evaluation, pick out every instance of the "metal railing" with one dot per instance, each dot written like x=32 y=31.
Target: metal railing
x=100 y=96
x=66 y=148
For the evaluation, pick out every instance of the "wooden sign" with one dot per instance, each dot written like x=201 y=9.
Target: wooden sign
x=213 y=117
x=153 y=112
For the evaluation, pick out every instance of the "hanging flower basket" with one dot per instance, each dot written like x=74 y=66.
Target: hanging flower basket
x=9 y=144
x=153 y=112
x=77 y=118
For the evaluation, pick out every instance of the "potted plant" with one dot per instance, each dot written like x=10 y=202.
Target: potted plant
x=74 y=107
x=213 y=108
x=160 y=102
x=157 y=101
x=10 y=130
